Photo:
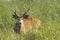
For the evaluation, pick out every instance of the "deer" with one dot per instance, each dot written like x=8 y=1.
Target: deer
x=25 y=23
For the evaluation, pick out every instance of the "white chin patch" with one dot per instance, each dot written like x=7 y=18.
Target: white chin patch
x=21 y=21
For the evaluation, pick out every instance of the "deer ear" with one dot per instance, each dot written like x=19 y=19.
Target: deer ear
x=25 y=16
x=15 y=17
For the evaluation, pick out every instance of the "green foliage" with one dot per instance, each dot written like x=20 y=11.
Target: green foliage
x=48 y=11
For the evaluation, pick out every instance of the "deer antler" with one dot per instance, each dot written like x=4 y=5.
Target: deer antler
x=15 y=15
x=26 y=10
x=25 y=15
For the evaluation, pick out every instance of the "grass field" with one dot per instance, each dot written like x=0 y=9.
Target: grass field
x=48 y=11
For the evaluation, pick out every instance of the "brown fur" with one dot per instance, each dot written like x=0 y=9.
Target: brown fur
x=30 y=24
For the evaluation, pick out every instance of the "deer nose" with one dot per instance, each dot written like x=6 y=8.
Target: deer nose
x=17 y=28
x=18 y=24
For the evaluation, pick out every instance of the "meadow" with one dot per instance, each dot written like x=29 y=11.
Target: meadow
x=48 y=11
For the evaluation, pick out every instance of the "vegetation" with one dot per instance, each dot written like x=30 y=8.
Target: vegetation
x=48 y=11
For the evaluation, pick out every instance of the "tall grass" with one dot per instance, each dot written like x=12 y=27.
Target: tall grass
x=48 y=11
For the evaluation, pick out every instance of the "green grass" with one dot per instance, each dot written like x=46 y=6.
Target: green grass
x=48 y=11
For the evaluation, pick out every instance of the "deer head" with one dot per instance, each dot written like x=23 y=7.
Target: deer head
x=20 y=19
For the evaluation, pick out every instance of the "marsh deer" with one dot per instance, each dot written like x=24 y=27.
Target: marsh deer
x=26 y=23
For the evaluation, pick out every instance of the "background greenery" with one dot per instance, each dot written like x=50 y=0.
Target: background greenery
x=48 y=11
